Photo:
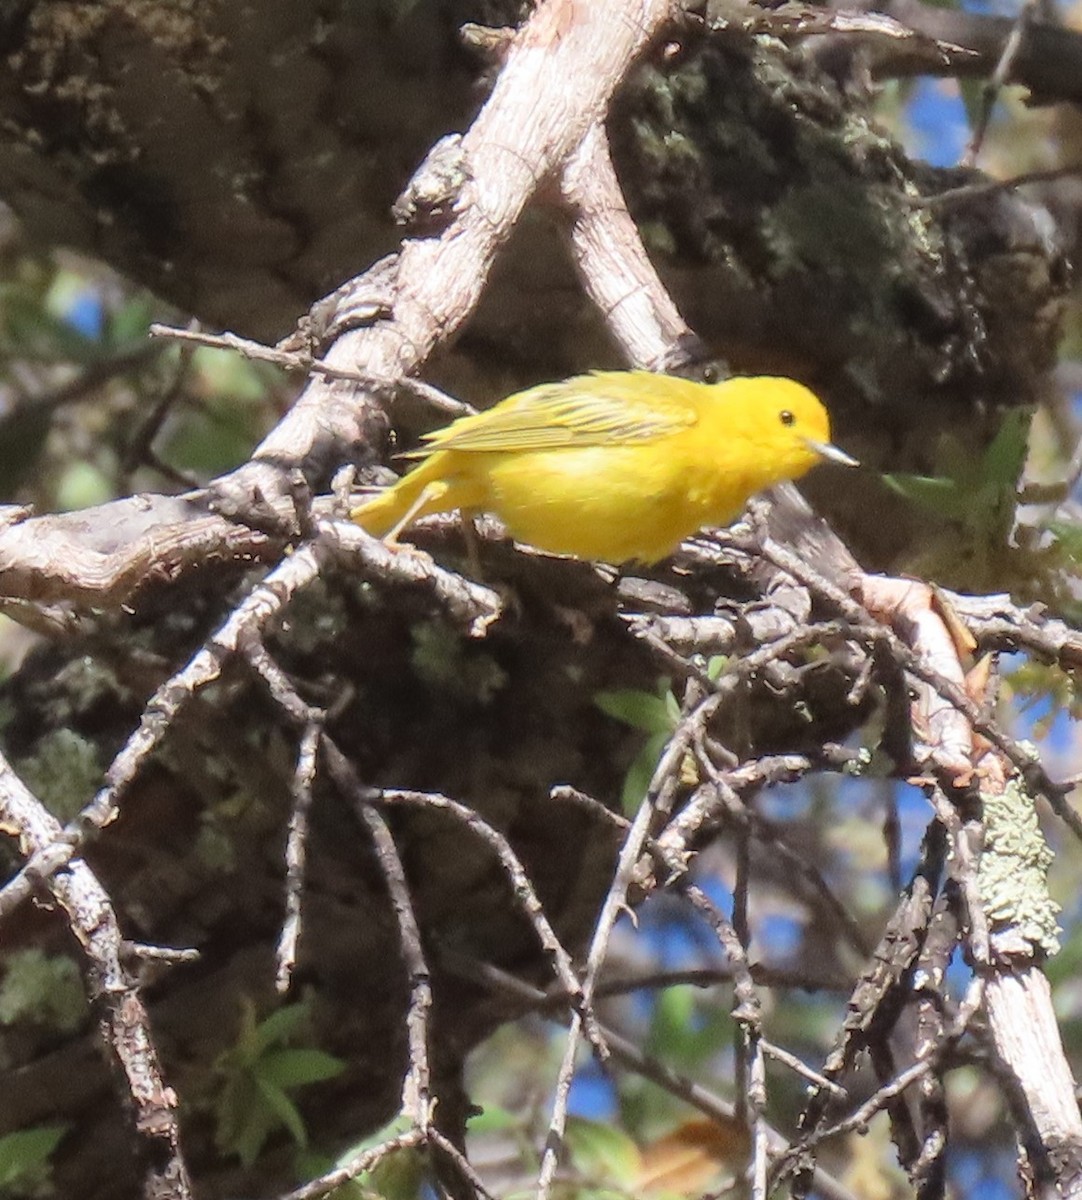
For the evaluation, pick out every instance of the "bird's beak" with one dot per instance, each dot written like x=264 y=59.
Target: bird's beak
x=831 y=453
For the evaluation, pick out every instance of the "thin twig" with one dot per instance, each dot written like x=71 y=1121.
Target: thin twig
x=139 y=447
x=417 y=1102
x=124 y=1021
x=977 y=191
x=296 y=853
x=883 y=1096
x=288 y=360
x=751 y=1081
x=966 y=837
x=632 y=1057
x=869 y=631
x=799 y=1067
x=522 y=890
x=658 y=798
x=1012 y=47
x=262 y=606
x=358 y=1165
x=293 y=360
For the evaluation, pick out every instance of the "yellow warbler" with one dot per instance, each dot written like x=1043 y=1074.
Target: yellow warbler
x=614 y=465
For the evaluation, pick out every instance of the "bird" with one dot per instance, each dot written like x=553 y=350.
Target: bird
x=613 y=466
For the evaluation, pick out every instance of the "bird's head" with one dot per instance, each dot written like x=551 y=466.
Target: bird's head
x=795 y=427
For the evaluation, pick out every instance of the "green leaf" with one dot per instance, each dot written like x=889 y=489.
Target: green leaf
x=295 y=1068
x=284 y=1109
x=937 y=493
x=258 y=1125
x=392 y=1129
x=45 y=989
x=602 y=1152
x=1068 y=537
x=493 y=1119
x=1002 y=462
x=982 y=493
x=127 y=325
x=639 y=709
x=233 y=1107
x=280 y=1026
x=715 y=664
x=24 y=1158
x=82 y=485
x=400 y=1176
x=685 y=1029
x=397 y=1177
x=641 y=771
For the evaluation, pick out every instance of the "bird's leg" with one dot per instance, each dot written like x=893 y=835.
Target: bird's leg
x=469 y=536
x=427 y=495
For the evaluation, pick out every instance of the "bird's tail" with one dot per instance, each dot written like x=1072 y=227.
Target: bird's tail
x=427 y=489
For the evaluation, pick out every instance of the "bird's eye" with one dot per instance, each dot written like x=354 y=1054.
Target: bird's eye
x=786 y=417
x=710 y=374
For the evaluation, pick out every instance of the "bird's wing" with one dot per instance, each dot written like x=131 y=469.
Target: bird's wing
x=591 y=410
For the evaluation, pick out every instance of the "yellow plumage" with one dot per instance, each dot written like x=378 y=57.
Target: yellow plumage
x=615 y=465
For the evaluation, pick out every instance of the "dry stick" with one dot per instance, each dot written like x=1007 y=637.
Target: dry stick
x=762 y=974
x=799 y=1067
x=1012 y=47
x=311 y=722
x=101 y=556
x=615 y=902
x=1028 y=767
x=879 y=1100
x=926 y=1162
x=461 y=1163
x=658 y=800
x=751 y=1079
x=365 y=1161
x=613 y=265
x=467 y=603
x=962 y=867
x=977 y=191
x=163 y=954
x=674 y=851
x=522 y=890
x=417 y=1102
x=292 y=360
x=631 y=1056
x=139 y=447
x=288 y=360
x=749 y=1019
x=263 y=604
x=343 y=542
x=997 y=622
x=557 y=79
x=124 y=1021
x=296 y=852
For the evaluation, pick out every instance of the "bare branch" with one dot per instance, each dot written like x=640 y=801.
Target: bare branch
x=125 y=1023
